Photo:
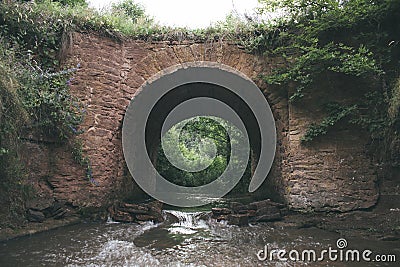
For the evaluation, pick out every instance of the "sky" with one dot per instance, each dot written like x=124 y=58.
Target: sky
x=188 y=13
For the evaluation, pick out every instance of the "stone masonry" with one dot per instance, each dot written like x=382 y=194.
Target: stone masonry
x=333 y=173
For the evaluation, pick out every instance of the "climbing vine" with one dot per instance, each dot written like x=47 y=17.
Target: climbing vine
x=336 y=112
x=355 y=40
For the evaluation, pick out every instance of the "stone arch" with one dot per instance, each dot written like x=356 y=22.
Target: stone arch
x=331 y=174
x=107 y=82
x=163 y=92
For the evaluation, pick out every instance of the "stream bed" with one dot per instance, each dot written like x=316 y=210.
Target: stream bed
x=188 y=239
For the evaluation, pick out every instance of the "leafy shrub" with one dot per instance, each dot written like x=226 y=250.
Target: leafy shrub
x=128 y=8
x=189 y=141
x=356 y=39
x=336 y=113
x=33 y=99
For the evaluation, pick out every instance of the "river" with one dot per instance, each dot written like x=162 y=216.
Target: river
x=185 y=239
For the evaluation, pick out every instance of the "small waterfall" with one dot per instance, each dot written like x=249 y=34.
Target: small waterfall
x=188 y=222
x=110 y=220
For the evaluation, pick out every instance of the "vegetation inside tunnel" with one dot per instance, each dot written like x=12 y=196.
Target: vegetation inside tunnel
x=204 y=142
x=197 y=139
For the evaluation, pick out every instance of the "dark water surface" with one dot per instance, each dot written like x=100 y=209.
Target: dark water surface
x=184 y=241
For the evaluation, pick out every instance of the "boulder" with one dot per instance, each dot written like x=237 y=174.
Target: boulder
x=57 y=210
x=221 y=217
x=170 y=218
x=268 y=218
x=39 y=203
x=218 y=212
x=148 y=218
x=155 y=206
x=268 y=214
x=121 y=216
x=237 y=206
x=265 y=203
x=35 y=216
x=134 y=208
x=205 y=216
x=61 y=213
x=128 y=212
x=238 y=219
x=268 y=211
x=259 y=211
x=252 y=213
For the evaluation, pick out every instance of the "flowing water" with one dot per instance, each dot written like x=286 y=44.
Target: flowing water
x=185 y=239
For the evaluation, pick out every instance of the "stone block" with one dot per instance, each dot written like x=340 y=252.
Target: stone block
x=35 y=216
x=238 y=219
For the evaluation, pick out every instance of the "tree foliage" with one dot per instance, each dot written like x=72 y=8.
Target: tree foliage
x=72 y=2
x=129 y=8
x=357 y=40
x=193 y=145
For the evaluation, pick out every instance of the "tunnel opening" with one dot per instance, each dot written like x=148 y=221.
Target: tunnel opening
x=185 y=92
x=201 y=99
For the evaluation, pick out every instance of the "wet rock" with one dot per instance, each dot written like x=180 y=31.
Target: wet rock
x=252 y=213
x=37 y=208
x=60 y=213
x=120 y=216
x=57 y=211
x=252 y=206
x=134 y=208
x=260 y=211
x=220 y=212
x=284 y=211
x=268 y=211
x=268 y=218
x=238 y=219
x=155 y=208
x=39 y=203
x=170 y=218
x=155 y=212
x=268 y=214
x=236 y=206
x=158 y=218
x=205 y=216
x=156 y=238
x=221 y=217
x=127 y=212
x=243 y=211
x=148 y=218
x=35 y=216
x=265 y=203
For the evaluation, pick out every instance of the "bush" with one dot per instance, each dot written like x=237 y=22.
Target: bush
x=354 y=39
x=199 y=154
